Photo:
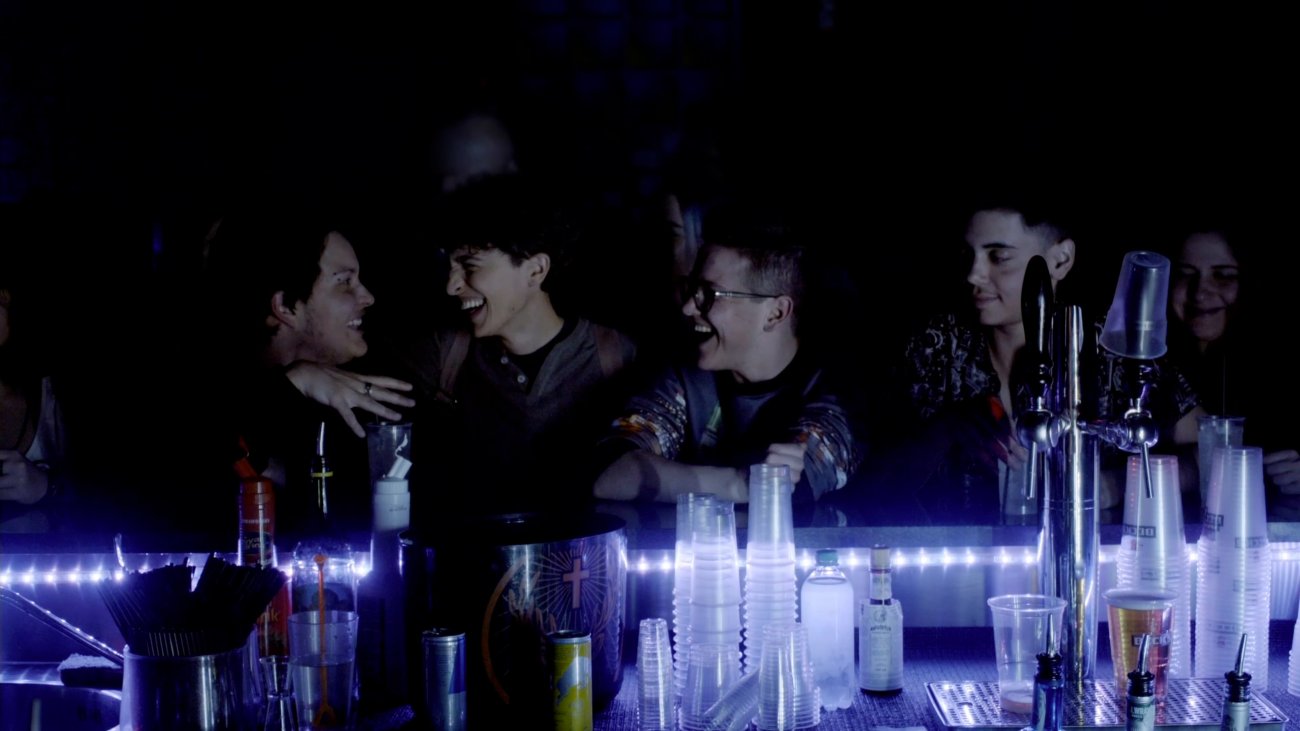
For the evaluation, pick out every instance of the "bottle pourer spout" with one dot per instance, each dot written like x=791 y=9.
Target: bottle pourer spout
x=1241 y=654
x=1142 y=653
x=320 y=441
x=1051 y=640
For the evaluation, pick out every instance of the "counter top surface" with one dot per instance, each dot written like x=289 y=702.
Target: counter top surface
x=934 y=654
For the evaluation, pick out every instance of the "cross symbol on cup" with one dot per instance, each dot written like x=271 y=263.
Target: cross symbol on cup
x=575 y=577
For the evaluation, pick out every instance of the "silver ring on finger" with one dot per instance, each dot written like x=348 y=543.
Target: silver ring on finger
x=368 y=387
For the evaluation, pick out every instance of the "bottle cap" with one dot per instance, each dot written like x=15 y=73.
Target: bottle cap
x=879 y=557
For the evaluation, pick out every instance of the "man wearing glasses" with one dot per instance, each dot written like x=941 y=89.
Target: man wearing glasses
x=752 y=396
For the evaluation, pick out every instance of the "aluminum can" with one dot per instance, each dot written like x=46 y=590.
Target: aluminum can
x=571 y=679
x=444 y=678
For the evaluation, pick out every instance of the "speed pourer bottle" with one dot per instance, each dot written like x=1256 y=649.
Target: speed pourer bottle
x=1141 y=714
x=880 y=631
x=1049 y=689
x=323 y=565
x=1236 y=705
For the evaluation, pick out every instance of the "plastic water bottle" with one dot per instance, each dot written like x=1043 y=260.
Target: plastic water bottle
x=826 y=604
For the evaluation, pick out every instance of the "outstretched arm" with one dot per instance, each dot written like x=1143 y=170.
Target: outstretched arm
x=345 y=391
x=641 y=475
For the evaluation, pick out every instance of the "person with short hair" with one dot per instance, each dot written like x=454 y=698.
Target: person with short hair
x=755 y=393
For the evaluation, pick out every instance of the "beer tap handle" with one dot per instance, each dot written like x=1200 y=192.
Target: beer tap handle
x=1036 y=306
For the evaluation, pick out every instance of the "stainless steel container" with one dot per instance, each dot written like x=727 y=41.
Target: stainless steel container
x=200 y=693
x=508 y=581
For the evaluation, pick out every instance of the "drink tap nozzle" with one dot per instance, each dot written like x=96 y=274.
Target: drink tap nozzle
x=1136 y=328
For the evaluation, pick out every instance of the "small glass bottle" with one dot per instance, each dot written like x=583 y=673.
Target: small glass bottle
x=880 y=629
x=1236 y=704
x=826 y=603
x=1141 y=713
x=1048 y=711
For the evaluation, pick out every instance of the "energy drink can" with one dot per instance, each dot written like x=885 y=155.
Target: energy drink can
x=571 y=679
x=444 y=678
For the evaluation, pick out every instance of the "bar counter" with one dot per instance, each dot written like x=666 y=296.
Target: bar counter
x=933 y=654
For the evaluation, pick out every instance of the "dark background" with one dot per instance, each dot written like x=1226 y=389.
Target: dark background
x=129 y=126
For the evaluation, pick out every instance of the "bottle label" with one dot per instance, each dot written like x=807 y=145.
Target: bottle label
x=1236 y=717
x=1141 y=713
x=273 y=626
x=882 y=662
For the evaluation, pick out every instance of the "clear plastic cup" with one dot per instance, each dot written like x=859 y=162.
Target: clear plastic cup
x=770 y=517
x=654 y=676
x=1234 y=574
x=1213 y=432
x=1136 y=324
x=788 y=693
x=688 y=505
x=710 y=673
x=389 y=449
x=1153 y=549
x=1132 y=613
x=1020 y=626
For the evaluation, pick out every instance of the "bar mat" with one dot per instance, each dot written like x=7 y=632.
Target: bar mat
x=1191 y=704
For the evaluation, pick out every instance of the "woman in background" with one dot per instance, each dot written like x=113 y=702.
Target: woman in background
x=1232 y=357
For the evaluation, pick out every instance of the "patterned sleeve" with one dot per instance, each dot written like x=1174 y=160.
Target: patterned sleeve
x=656 y=420
x=835 y=448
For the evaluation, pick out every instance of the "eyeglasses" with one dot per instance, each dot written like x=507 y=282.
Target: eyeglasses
x=704 y=297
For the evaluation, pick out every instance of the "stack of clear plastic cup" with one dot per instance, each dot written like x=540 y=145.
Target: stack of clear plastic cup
x=715 y=578
x=1234 y=569
x=1153 y=551
x=788 y=696
x=654 y=667
x=710 y=672
x=771 y=584
x=1293 y=663
x=687 y=505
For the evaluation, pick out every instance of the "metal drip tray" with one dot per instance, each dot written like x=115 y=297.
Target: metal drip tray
x=1191 y=704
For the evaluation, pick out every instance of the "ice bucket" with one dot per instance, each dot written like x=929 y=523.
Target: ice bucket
x=507 y=581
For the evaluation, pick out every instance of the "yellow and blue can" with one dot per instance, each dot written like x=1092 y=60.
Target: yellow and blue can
x=570 y=652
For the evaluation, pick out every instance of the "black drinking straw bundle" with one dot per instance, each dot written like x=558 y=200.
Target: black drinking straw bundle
x=159 y=616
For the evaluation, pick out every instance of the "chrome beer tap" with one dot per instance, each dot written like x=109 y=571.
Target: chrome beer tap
x=1064 y=447
x=1064 y=465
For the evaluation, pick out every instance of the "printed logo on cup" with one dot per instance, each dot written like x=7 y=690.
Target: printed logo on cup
x=1212 y=521
x=1163 y=640
x=1252 y=542
x=1140 y=531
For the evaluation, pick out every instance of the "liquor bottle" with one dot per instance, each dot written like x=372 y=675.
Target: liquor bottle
x=324 y=576
x=880 y=631
x=1048 y=711
x=1236 y=704
x=826 y=604
x=257 y=548
x=1141 y=713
